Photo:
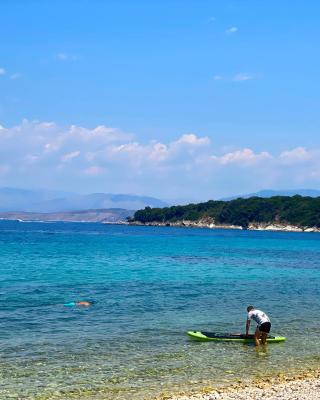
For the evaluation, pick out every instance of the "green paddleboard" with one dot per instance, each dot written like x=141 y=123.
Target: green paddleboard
x=229 y=337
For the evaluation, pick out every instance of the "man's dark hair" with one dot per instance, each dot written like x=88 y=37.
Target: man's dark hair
x=249 y=308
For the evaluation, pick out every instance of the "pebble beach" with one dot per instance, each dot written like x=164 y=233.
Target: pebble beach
x=300 y=387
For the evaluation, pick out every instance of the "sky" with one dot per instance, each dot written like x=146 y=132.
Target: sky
x=190 y=100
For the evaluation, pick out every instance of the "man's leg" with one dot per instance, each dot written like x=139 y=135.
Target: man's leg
x=257 y=336
x=263 y=337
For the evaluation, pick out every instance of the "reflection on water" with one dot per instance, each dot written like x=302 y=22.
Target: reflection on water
x=149 y=286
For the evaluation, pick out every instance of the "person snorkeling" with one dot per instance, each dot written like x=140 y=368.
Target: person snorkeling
x=80 y=303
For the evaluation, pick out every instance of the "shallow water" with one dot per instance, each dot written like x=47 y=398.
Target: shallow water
x=150 y=285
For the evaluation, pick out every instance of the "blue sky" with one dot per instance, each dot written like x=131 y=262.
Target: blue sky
x=194 y=99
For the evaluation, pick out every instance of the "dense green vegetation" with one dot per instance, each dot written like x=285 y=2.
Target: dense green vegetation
x=296 y=210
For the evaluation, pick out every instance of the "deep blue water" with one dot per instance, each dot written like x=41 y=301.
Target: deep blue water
x=149 y=285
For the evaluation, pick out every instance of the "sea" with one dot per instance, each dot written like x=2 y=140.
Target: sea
x=149 y=286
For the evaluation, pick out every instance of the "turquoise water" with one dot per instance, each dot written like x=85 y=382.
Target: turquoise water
x=149 y=285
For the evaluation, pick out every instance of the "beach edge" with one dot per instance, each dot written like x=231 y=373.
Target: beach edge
x=304 y=386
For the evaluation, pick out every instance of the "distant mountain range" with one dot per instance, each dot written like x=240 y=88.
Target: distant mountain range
x=271 y=193
x=49 y=201
x=111 y=215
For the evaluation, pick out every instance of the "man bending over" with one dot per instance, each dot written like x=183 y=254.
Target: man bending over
x=263 y=324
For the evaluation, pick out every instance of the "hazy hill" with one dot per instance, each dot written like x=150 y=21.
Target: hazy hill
x=13 y=199
x=101 y=215
x=271 y=193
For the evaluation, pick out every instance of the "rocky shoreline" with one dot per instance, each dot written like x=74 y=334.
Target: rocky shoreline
x=304 y=386
x=210 y=224
x=115 y=217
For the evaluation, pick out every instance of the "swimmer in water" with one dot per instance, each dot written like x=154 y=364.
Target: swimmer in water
x=83 y=303
x=79 y=304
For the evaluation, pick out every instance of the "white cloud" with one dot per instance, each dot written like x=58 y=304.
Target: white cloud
x=51 y=143
x=62 y=56
x=243 y=157
x=154 y=153
x=193 y=140
x=15 y=76
x=159 y=152
x=297 y=155
x=69 y=156
x=241 y=77
x=65 y=57
x=105 y=158
x=232 y=29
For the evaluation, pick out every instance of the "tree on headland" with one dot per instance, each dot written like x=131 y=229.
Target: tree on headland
x=297 y=210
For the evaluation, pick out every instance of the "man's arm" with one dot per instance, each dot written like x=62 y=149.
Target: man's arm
x=248 y=326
